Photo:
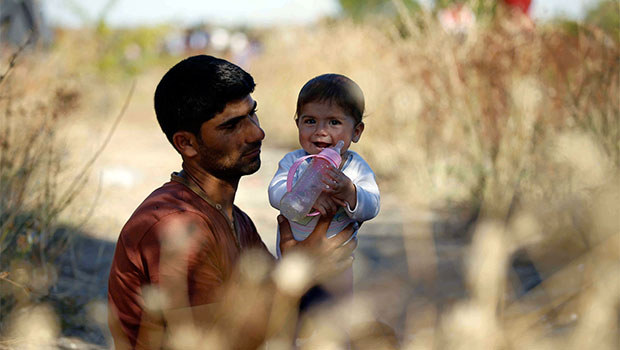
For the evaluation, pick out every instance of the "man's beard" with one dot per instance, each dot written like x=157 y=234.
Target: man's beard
x=223 y=170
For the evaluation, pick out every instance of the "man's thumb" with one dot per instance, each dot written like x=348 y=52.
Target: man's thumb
x=285 y=229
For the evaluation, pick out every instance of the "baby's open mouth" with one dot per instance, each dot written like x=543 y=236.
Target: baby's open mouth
x=322 y=144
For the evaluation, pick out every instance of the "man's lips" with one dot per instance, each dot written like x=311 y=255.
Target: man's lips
x=253 y=153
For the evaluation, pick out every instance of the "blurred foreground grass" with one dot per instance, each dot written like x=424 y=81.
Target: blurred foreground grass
x=511 y=128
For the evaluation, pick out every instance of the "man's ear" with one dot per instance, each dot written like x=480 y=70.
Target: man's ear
x=186 y=143
x=357 y=131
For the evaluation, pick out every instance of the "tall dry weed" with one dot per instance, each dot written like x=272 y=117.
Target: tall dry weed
x=32 y=195
x=38 y=184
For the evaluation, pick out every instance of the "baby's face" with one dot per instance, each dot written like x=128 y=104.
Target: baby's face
x=323 y=124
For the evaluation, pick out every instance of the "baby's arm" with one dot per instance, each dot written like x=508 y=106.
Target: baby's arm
x=368 y=199
x=277 y=186
x=367 y=191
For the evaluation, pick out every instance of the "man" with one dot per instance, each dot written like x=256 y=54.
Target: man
x=182 y=244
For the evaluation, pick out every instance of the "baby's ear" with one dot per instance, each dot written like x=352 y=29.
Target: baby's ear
x=357 y=132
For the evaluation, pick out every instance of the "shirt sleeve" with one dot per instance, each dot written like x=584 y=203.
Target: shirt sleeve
x=180 y=254
x=368 y=197
x=277 y=186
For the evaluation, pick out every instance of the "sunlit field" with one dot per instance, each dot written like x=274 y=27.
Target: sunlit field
x=496 y=148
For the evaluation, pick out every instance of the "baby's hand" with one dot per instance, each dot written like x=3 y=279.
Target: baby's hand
x=326 y=204
x=340 y=188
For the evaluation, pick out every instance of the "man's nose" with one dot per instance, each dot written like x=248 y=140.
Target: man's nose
x=256 y=133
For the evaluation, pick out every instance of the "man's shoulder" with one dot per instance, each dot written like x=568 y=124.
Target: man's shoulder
x=172 y=201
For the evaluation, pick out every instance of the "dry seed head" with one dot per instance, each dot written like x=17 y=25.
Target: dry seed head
x=35 y=327
x=584 y=156
x=213 y=340
x=487 y=263
x=470 y=327
x=154 y=299
x=525 y=229
x=254 y=266
x=43 y=278
x=527 y=95
x=293 y=274
x=185 y=336
x=98 y=312
x=177 y=237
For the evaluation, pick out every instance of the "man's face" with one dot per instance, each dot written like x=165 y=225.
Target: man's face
x=230 y=142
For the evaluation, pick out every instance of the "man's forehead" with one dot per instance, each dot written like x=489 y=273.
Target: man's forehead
x=235 y=109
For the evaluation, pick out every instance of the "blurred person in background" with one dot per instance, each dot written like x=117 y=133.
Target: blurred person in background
x=179 y=249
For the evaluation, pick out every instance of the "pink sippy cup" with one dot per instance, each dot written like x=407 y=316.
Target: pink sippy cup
x=299 y=199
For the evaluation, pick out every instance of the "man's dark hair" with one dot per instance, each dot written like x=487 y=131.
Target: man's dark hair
x=333 y=88
x=195 y=90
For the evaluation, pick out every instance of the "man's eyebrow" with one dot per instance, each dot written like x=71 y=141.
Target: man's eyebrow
x=235 y=120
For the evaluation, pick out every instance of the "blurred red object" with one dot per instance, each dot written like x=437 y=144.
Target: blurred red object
x=523 y=5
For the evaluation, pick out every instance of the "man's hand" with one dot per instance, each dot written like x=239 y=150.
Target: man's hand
x=340 y=188
x=331 y=255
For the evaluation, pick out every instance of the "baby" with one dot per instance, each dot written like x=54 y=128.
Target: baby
x=330 y=109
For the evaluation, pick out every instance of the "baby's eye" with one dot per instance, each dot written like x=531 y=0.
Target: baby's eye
x=309 y=121
x=334 y=122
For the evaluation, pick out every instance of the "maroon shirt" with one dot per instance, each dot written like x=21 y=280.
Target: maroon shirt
x=180 y=241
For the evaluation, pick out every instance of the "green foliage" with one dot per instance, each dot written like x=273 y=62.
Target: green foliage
x=606 y=15
x=127 y=51
x=359 y=9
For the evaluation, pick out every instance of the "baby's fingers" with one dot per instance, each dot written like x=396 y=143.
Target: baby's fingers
x=340 y=202
x=330 y=184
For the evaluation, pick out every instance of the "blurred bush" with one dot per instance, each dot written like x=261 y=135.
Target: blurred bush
x=112 y=54
x=358 y=10
x=606 y=15
x=38 y=184
x=33 y=193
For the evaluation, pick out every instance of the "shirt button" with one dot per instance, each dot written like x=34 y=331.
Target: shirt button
x=218 y=207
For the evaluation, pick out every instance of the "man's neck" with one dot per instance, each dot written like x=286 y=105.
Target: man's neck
x=220 y=191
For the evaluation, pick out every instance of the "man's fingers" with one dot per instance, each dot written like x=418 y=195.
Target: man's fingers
x=349 y=247
x=286 y=234
x=321 y=226
x=343 y=235
x=343 y=264
x=340 y=202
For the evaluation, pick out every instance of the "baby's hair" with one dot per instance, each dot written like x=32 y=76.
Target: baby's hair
x=334 y=88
